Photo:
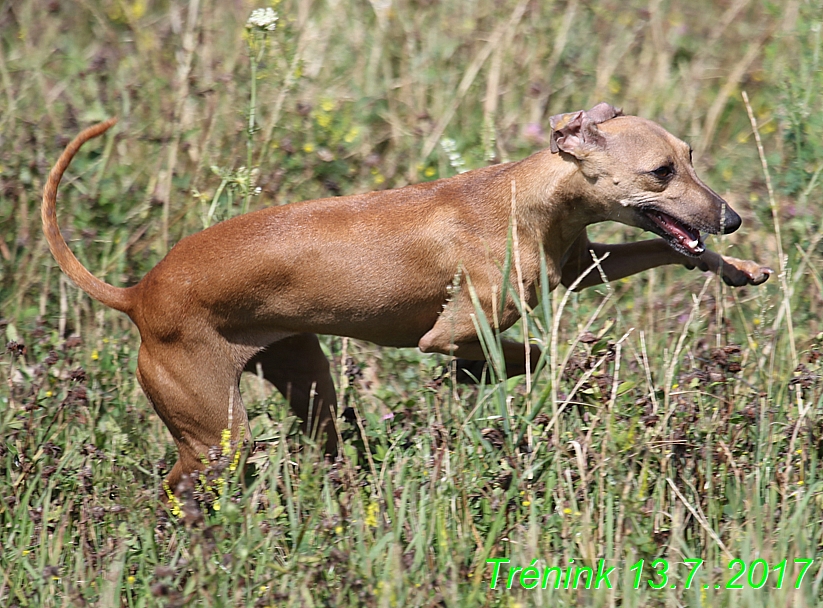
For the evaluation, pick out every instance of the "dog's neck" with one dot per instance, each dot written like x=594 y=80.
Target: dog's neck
x=555 y=202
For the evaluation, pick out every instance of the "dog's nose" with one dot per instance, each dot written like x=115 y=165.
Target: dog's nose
x=732 y=221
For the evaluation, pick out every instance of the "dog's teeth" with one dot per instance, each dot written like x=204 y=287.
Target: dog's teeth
x=693 y=244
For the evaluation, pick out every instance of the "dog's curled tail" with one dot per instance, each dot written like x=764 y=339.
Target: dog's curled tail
x=118 y=298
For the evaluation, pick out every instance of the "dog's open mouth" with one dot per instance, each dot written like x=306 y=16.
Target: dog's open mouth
x=683 y=238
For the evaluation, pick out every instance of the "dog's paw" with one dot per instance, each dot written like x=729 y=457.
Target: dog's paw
x=738 y=273
x=733 y=271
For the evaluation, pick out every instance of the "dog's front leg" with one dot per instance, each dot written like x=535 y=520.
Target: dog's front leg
x=454 y=334
x=733 y=271
x=471 y=362
x=626 y=259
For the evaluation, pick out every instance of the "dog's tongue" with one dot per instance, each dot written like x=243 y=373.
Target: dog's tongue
x=687 y=237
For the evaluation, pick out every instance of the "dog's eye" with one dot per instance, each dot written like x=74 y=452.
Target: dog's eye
x=663 y=172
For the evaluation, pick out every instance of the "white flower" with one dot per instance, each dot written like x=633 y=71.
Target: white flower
x=262 y=18
x=455 y=160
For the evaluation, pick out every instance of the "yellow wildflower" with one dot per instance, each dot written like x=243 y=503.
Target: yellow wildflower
x=371 y=514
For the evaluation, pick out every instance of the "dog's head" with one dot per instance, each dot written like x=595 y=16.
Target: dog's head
x=642 y=176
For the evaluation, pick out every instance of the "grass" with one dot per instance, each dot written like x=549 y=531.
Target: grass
x=672 y=419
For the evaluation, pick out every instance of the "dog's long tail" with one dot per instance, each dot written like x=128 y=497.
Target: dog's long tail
x=118 y=298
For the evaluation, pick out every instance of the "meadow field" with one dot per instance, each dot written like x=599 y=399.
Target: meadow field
x=670 y=439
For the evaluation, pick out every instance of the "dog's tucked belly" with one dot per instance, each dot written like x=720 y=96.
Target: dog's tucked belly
x=398 y=326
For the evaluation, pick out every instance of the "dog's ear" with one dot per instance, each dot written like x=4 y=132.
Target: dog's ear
x=603 y=112
x=576 y=133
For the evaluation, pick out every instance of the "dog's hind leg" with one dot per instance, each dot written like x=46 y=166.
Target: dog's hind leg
x=300 y=370
x=194 y=389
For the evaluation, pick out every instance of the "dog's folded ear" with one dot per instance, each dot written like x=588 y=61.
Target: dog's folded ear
x=603 y=112
x=576 y=133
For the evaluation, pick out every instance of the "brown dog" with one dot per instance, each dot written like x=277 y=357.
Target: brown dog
x=256 y=289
